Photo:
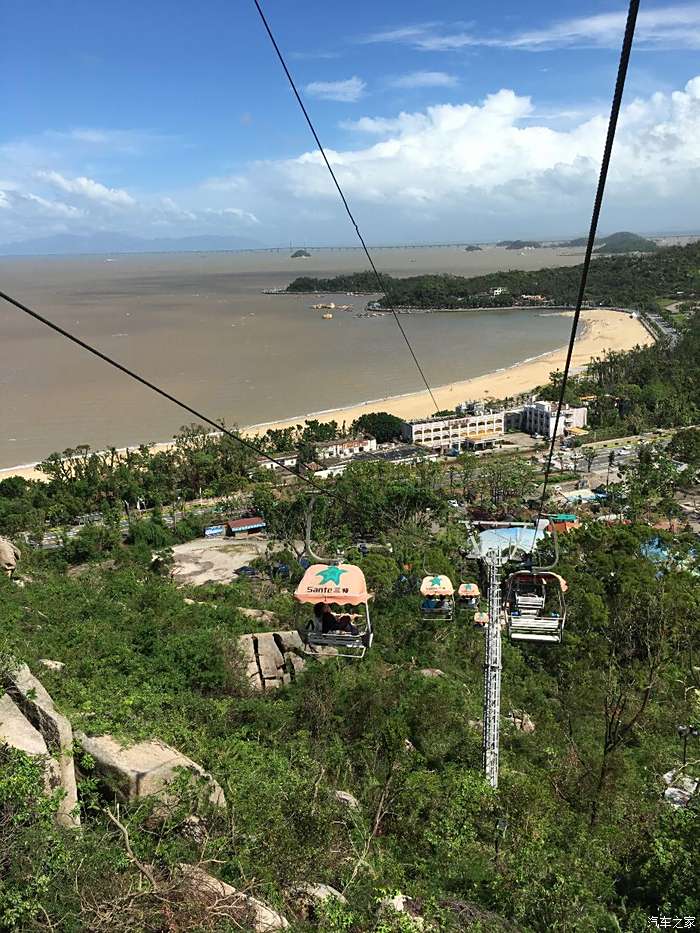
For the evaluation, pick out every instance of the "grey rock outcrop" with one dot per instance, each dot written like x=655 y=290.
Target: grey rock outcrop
x=271 y=659
x=9 y=555
x=144 y=769
x=347 y=799
x=34 y=702
x=260 y=917
x=308 y=897
x=432 y=672
x=402 y=904
x=17 y=732
x=51 y=665
x=260 y=615
x=680 y=788
x=521 y=720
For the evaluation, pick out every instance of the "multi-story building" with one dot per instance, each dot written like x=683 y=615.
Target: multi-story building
x=345 y=447
x=539 y=417
x=474 y=427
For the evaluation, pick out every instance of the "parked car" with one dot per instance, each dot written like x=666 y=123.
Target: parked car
x=247 y=571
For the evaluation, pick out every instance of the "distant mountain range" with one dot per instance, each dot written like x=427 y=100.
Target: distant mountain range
x=70 y=244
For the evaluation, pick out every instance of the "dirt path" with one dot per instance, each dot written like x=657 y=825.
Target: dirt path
x=215 y=560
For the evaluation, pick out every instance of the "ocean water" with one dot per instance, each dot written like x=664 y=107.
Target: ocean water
x=199 y=325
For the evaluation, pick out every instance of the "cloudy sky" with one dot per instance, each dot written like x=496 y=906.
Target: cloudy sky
x=445 y=121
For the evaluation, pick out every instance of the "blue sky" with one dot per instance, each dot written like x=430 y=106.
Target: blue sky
x=446 y=121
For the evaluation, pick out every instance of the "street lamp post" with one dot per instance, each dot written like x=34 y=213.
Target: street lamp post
x=686 y=732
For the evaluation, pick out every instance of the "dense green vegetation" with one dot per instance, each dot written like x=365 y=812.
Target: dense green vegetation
x=578 y=837
x=649 y=387
x=634 y=281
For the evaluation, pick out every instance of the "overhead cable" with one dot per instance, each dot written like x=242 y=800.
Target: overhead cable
x=597 y=205
x=380 y=282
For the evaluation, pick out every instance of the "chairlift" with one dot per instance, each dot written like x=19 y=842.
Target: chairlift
x=438 y=598
x=534 y=606
x=342 y=585
x=468 y=595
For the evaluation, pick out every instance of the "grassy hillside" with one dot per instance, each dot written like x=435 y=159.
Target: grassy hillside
x=578 y=837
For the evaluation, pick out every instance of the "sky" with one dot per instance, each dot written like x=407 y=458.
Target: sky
x=445 y=122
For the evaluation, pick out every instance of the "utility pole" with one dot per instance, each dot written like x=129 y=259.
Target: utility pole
x=492 y=670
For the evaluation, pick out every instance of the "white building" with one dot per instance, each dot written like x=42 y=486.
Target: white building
x=288 y=460
x=397 y=454
x=345 y=447
x=540 y=418
x=480 y=428
x=340 y=448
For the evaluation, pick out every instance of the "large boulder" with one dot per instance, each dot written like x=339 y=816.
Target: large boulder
x=9 y=555
x=347 y=799
x=205 y=887
x=145 y=769
x=680 y=788
x=34 y=702
x=17 y=732
x=521 y=721
x=309 y=897
x=404 y=905
x=271 y=659
x=260 y=615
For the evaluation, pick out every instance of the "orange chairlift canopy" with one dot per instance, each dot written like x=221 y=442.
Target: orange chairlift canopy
x=343 y=584
x=468 y=590
x=542 y=576
x=437 y=585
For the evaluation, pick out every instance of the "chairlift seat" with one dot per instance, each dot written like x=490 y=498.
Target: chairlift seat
x=347 y=645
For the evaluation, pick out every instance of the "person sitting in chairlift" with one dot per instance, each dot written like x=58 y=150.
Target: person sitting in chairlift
x=326 y=621
x=429 y=603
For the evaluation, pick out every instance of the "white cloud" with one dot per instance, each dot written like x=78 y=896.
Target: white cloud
x=236 y=212
x=424 y=79
x=462 y=170
x=346 y=92
x=667 y=27
x=88 y=188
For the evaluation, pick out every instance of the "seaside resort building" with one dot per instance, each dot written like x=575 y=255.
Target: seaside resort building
x=342 y=448
x=475 y=428
x=540 y=418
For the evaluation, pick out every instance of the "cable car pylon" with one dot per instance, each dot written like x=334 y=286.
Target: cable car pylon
x=494 y=560
x=495 y=547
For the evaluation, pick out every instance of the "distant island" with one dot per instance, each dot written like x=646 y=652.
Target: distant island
x=520 y=244
x=301 y=254
x=627 y=281
x=472 y=249
x=616 y=243
x=626 y=243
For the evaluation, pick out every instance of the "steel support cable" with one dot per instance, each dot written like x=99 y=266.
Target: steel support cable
x=166 y=395
x=597 y=205
x=377 y=275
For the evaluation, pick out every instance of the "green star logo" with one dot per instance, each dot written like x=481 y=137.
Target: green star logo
x=436 y=581
x=331 y=574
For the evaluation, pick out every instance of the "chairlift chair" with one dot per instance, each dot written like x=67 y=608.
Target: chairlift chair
x=336 y=584
x=468 y=595
x=437 y=589
x=534 y=606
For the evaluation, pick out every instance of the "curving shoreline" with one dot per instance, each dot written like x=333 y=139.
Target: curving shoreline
x=601 y=330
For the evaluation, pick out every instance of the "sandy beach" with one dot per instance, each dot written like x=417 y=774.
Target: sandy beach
x=600 y=330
